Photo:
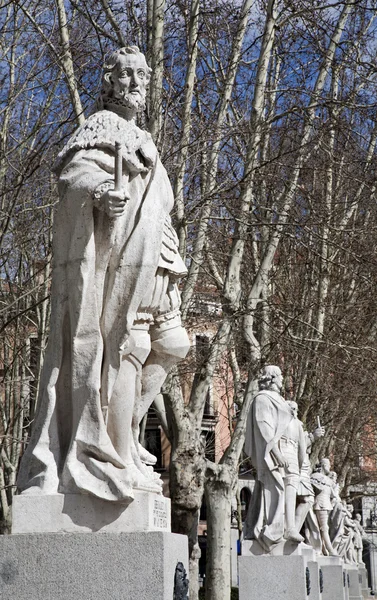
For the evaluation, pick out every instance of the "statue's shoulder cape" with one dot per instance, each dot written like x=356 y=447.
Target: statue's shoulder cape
x=102 y=130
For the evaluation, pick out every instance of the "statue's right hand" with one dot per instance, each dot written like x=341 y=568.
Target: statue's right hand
x=280 y=460
x=115 y=202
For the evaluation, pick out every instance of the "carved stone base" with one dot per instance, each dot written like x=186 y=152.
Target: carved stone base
x=267 y=577
x=363 y=578
x=283 y=548
x=335 y=581
x=88 y=566
x=354 y=591
x=80 y=513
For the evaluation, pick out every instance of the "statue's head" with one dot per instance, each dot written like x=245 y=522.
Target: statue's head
x=325 y=466
x=270 y=378
x=294 y=407
x=333 y=475
x=125 y=79
x=358 y=517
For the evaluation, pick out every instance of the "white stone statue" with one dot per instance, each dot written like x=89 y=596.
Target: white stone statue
x=306 y=496
x=359 y=534
x=323 y=487
x=269 y=417
x=292 y=445
x=337 y=515
x=115 y=322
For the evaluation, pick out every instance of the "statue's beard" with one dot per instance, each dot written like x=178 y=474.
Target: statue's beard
x=129 y=100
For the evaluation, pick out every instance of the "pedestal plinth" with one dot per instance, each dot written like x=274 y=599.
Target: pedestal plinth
x=71 y=513
x=363 y=578
x=90 y=566
x=267 y=577
x=335 y=581
x=77 y=547
x=354 y=591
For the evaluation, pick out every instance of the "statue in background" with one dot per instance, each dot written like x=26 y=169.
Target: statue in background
x=292 y=445
x=115 y=322
x=342 y=528
x=269 y=417
x=306 y=496
x=358 y=539
x=323 y=487
x=337 y=515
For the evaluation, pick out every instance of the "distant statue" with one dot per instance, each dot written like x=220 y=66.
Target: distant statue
x=344 y=526
x=305 y=495
x=323 y=487
x=269 y=418
x=292 y=445
x=358 y=539
x=115 y=323
x=337 y=515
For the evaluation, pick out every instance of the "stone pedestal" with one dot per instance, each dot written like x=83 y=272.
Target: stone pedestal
x=335 y=583
x=363 y=578
x=315 y=579
x=234 y=555
x=90 y=566
x=77 y=547
x=267 y=577
x=83 y=513
x=354 y=583
x=283 y=548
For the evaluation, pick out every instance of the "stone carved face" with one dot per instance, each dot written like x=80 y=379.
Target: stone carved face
x=334 y=476
x=129 y=80
x=325 y=464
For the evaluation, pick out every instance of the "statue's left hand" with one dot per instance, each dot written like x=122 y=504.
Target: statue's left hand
x=319 y=432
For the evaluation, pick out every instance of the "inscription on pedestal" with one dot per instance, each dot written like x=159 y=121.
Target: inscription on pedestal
x=160 y=516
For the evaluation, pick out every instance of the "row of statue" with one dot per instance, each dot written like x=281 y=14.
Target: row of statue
x=290 y=502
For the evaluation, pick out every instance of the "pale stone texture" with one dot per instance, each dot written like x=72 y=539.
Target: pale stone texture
x=270 y=577
x=234 y=556
x=314 y=568
x=364 y=582
x=77 y=512
x=355 y=592
x=81 y=566
x=282 y=548
x=290 y=550
x=268 y=420
x=335 y=585
x=324 y=490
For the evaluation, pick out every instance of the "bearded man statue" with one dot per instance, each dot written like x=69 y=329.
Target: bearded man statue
x=115 y=320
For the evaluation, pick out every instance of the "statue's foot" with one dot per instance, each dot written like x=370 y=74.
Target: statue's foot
x=145 y=469
x=145 y=456
x=294 y=536
x=139 y=481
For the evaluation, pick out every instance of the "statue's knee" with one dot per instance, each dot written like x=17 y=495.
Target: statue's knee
x=173 y=342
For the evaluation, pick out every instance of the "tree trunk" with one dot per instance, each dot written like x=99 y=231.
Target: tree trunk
x=220 y=483
x=186 y=493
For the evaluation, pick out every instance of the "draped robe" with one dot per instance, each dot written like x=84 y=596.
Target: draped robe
x=102 y=269
x=268 y=419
